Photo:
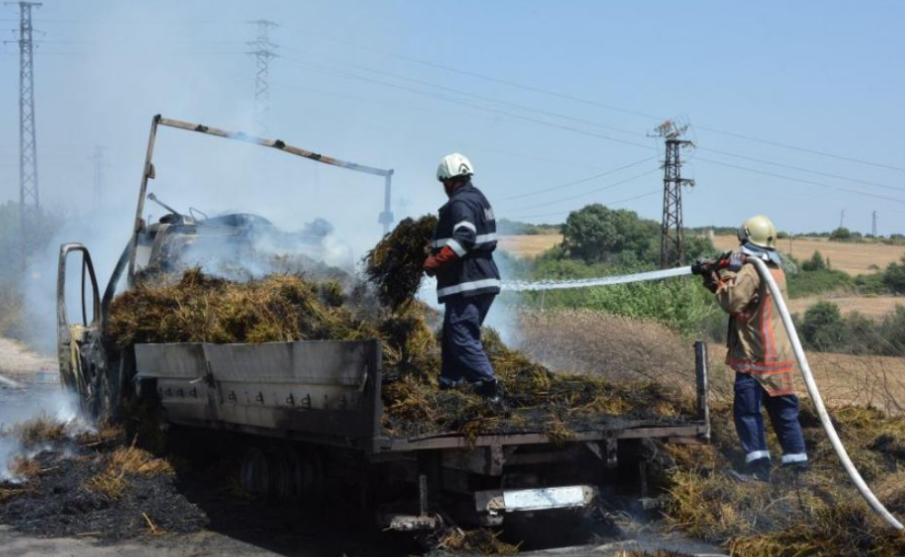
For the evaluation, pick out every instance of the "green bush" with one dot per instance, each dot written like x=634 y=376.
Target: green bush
x=892 y=331
x=597 y=234
x=809 y=283
x=894 y=277
x=841 y=234
x=822 y=327
x=815 y=263
x=870 y=284
x=683 y=305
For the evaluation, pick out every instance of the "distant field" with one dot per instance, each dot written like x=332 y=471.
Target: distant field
x=854 y=259
x=529 y=245
x=874 y=307
x=869 y=380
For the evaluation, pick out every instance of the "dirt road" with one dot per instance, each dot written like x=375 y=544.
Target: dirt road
x=205 y=543
x=17 y=361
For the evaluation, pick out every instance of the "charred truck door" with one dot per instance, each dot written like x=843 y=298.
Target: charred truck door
x=83 y=363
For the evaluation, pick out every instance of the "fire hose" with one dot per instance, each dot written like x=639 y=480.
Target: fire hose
x=813 y=391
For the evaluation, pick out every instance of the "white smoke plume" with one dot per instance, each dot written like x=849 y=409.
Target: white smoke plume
x=20 y=406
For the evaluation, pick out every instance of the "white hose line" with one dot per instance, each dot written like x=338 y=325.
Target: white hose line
x=865 y=491
x=525 y=286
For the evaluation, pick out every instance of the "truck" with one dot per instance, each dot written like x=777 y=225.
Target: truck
x=306 y=412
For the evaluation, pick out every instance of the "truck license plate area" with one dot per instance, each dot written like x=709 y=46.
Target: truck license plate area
x=527 y=500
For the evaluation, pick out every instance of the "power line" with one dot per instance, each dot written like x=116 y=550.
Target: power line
x=801 y=180
x=598 y=104
x=454 y=100
x=802 y=149
x=587 y=193
x=610 y=204
x=409 y=107
x=568 y=128
x=800 y=169
x=576 y=182
x=478 y=97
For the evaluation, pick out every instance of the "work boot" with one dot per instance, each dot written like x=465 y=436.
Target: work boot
x=797 y=467
x=447 y=384
x=760 y=469
x=489 y=390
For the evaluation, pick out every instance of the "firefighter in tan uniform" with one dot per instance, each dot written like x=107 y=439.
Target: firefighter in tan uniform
x=759 y=349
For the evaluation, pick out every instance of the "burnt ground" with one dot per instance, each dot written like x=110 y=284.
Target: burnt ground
x=196 y=511
x=56 y=503
x=200 y=511
x=192 y=504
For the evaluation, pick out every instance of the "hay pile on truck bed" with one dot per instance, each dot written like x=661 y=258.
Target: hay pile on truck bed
x=197 y=308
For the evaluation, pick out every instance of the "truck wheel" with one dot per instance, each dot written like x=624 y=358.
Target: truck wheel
x=254 y=472
x=301 y=476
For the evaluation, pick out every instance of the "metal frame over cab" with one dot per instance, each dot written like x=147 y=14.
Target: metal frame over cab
x=96 y=371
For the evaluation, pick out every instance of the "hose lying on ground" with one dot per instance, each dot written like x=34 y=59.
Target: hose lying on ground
x=865 y=491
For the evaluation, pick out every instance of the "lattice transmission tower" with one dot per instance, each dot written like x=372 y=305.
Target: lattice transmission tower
x=29 y=193
x=672 y=247
x=263 y=51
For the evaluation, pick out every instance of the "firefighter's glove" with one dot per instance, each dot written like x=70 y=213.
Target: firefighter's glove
x=444 y=257
x=712 y=281
x=732 y=261
x=701 y=266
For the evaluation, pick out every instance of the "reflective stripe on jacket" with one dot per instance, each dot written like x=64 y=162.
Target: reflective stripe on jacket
x=757 y=341
x=468 y=227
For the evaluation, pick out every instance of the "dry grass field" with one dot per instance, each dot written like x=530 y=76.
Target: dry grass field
x=874 y=307
x=587 y=341
x=528 y=245
x=854 y=259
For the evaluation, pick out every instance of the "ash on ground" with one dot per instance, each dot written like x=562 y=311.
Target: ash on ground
x=92 y=485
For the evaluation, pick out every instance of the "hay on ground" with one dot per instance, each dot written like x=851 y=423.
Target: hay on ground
x=818 y=513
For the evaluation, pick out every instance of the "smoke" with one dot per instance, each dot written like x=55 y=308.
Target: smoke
x=21 y=406
x=138 y=59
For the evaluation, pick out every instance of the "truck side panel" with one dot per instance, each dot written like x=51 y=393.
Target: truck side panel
x=318 y=387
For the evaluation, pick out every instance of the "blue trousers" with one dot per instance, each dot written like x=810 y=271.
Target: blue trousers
x=749 y=421
x=463 y=354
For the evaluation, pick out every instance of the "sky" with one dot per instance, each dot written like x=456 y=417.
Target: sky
x=794 y=108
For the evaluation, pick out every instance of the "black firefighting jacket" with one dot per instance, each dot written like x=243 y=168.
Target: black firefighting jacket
x=468 y=227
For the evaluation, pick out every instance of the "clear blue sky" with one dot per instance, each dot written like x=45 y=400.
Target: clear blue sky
x=361 y=80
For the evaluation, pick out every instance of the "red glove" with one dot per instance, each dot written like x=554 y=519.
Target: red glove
x=436 y=262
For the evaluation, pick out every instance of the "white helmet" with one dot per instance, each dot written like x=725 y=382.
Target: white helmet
x=454 y=165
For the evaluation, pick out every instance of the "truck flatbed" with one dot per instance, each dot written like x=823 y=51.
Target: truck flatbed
x=330 y=392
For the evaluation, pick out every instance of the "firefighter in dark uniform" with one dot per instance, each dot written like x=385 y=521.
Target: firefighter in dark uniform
x=461 y=257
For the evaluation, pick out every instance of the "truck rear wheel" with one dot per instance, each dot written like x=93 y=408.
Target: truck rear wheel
x=284 y=473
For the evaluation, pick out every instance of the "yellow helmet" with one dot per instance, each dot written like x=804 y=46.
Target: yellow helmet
x=759 y=231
